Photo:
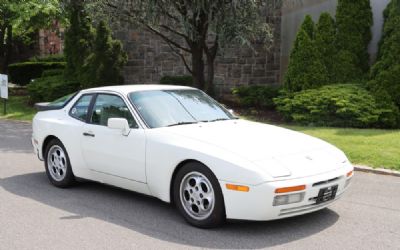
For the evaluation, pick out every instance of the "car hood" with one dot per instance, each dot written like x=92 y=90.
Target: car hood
x=278 y=151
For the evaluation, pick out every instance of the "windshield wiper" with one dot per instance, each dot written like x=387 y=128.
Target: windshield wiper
x=181 y=123
x=220 y=119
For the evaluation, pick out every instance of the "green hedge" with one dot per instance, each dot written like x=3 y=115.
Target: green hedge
x=177 y=80
x=50 y=58
x=341 y=105
x=23 y=73
x=46 y=89
x=257 y=96
x=53 y=72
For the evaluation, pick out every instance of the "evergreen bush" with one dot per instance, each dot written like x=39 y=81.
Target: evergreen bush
x=385 y=74
x=23 y=73
x=306 y=70
x=104 y=64
x=338 y=105
x=257 y=96
x=185 y=80
x=354 y=21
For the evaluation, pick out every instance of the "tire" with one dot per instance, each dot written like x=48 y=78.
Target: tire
x=198 y=196
x=57 y=165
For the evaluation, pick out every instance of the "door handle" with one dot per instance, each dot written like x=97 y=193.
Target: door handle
x=88 y=134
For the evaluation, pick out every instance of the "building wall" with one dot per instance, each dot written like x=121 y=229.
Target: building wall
x=150 y=58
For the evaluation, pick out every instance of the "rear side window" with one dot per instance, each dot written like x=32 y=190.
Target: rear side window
x=110 y=106
x=81 y=108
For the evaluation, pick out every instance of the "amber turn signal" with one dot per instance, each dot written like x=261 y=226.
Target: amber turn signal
x=290 y=189
x=237 y=188
x=349 y=174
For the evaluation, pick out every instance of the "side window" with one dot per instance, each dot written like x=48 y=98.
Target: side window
x=110 y=106
x=81 y=107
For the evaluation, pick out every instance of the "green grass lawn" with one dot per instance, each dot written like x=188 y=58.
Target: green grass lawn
x=17 y=109
x=370 y=147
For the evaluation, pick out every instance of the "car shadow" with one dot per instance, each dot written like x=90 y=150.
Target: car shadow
x=159 y=220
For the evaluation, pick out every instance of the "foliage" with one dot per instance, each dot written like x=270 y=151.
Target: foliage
x=18 y=108
x=308 y=26
x=49 y=88
x=49 y=58
x=23 y=73
x=177 y=80
x=196 y=28
x=19 y=19
x=78 y=38
x=341 y=105
x=257 y=96
x=354 y=21
x=306 y=70
x=385 y=74
x=104 y=64
x=52 y=72
x=325 y=44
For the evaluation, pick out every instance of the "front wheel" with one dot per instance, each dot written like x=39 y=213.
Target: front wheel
x=58 y=167
x=198 y=196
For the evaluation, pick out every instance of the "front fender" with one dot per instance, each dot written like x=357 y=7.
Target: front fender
x=165 y=152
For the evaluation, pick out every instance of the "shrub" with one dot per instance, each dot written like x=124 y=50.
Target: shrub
x=341 y=105
x=354 y=21
x=46 y=89
x=104 y=64
x=23 y=73
x=305 y=68
x=325 y=36
x=257 y=96
x=78 y=37
x=177 y=80
x=385 y=74
x=50 y=58
x=52 y=72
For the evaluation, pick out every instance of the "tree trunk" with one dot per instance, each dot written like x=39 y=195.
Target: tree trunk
x=2 y=49
x=8 y=55
x=198 y=67
x=209 y=88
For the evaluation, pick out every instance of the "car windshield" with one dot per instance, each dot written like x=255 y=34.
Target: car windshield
x=162 y=108
x=60 y=102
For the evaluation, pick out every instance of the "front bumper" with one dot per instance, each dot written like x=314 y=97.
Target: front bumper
x=257 y=204
x=36 y=147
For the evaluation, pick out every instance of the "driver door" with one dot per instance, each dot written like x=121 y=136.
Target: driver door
x=106 y=150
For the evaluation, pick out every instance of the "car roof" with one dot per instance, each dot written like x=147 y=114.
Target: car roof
x=126 y=89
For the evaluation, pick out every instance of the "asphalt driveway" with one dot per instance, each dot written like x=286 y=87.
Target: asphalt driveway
x=36 y=215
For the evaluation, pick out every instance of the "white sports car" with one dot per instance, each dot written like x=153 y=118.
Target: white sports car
x=179 y=145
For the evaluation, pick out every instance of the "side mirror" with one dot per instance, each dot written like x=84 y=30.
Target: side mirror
x=120 y=124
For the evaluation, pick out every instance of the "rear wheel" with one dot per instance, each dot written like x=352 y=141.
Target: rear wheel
x=58 y=167
x=198 y=196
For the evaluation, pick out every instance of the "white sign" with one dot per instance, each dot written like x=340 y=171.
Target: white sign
x=3 y=86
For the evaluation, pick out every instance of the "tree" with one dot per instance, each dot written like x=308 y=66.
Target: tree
x=195 y=28
x=78 y=38
x=103 y=66
x=385 y=81
x=308 y=26
x=325 y=37
x=305 y=69
x=19 y=19
x=354 y=21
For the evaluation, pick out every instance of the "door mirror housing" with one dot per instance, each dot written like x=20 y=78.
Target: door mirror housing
x=120 y=124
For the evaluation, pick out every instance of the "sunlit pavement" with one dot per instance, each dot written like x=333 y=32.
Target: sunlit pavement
x=36 y=215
